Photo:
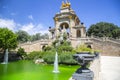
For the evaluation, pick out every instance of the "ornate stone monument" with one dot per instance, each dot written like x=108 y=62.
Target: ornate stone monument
x=66 y=21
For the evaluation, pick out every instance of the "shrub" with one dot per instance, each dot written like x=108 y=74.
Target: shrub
x=49 y=56
x=63 y=57
x=65 y=36
x=83 y=48
x=34 y=55
x=66 y=43
x=54 y=43
x=66 y=58
x=65 y=48
x=48 y=48
x=21 y=52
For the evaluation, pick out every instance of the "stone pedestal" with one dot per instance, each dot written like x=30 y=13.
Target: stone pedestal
x=85 y=75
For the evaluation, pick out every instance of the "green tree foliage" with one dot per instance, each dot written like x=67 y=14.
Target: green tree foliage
x=45 y=36
x=48 y=48
x=35 y=37
x=21 y=52
x=63 y=45
x=39 y=36
x=23 y=36
x=116 y=33
x=54 y=42
x=65 y=36
x=104 y=29
x=8 y=40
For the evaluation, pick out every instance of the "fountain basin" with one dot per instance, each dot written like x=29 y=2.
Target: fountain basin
x=28 y=70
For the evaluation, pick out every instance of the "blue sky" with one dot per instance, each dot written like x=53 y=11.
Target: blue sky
x=36 y=16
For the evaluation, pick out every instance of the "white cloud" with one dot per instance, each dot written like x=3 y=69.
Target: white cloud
x=30 y=27
x=40 y=28
x=8 y=23
x=27 y=27
x=30 y=17
x=34 y=28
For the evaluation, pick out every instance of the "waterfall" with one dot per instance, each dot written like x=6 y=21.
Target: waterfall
x=56 y=64
x=6 y=57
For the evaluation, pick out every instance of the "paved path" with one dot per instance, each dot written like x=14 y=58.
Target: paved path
x=110 y=68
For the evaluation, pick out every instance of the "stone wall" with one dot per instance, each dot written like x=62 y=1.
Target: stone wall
x=35 y=46
x=106 y=46
x=95 y=66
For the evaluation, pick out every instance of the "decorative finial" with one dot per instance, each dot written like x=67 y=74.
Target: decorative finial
x=63 y=4
x=68 y=3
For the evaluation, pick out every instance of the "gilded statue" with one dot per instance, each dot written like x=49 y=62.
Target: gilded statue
x=67 y=4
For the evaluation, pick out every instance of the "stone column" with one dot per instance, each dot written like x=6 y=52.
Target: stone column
x=50 y=35
x=82 y=32
x=56 y=27
x=70 y=26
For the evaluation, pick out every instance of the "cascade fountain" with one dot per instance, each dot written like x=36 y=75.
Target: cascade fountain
x=5 y=57
x=56 y=64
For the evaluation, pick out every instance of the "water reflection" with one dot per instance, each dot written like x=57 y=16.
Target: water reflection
x=5 y=68
x=56 y=76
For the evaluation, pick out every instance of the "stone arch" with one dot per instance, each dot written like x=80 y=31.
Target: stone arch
x=89 y=46
x=64 y=24
x=78 y=34
x=64 y=28
x=43 y=47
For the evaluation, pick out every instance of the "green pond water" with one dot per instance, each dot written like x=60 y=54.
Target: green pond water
x=27 y=70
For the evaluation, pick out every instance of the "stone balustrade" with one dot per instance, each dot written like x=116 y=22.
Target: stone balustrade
x=95 y=66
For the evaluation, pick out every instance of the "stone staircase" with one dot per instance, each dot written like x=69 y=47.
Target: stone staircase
x=107 y=46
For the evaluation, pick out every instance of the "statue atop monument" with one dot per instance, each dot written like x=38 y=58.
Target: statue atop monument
x=66 y=4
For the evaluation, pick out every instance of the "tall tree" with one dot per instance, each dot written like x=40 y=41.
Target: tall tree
x=35 y=37
x=104 y=29
x=8 y=39
x=23 y=36
x=45 y=36
x=116 y=33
